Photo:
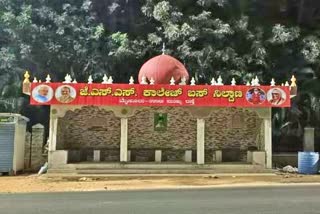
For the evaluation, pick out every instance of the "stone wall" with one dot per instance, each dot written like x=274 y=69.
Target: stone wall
x=232 y=128
x=88 y=127
x=181 y=132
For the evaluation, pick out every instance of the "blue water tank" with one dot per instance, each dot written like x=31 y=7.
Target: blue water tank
x=308 y=162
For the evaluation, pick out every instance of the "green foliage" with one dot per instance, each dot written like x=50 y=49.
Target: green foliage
x=215 y=39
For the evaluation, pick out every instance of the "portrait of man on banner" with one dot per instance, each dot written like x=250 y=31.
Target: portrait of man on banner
x=42 y=93
x=65 y=94
x=276 y=96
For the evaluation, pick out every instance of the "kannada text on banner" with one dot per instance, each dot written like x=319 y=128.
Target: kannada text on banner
x=159 y=95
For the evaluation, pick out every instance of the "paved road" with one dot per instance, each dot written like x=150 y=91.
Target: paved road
x=267 y=200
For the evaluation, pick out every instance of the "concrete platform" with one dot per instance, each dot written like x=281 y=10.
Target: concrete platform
x=158 y=168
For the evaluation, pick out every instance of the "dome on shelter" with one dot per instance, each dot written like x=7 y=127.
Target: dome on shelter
x=162 y=68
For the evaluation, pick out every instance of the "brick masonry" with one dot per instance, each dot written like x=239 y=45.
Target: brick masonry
x=227 y=129
x=88 y=127
x=181 y=132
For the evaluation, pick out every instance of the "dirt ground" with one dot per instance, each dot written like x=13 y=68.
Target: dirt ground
x=59 y=183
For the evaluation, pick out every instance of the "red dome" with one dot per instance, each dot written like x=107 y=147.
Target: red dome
x=162 y=68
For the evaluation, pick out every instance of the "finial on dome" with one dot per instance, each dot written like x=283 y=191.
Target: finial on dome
x=163 y=48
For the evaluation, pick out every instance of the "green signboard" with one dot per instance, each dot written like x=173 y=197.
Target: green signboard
x=160 y=121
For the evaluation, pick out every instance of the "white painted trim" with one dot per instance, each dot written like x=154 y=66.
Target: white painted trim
x=124 y=140
x=268 y=141
x=200 y=140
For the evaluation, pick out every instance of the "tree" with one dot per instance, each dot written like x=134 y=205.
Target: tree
x=56 y=38
x=216 y=37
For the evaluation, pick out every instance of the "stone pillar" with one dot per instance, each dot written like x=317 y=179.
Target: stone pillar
x=53 y=133
x=200 y=140
x=308 y=139
x=27 y=151
x=124 y=140
x=158 y=156
x=268 y=141
x=36 y=146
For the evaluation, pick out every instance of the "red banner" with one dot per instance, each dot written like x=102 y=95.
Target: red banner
x=159 y=95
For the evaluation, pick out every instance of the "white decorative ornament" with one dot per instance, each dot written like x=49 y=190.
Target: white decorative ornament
x=90 y=80
x=110 y=80
x=233 y=81
x=256 y=80
x=219 y=81
x=287 y=84
x=193 y=81
x=248 y=83
x=183 y=81
x=172 y=81
x=74 y=81
x=48 y=79
x=131 y=80
x=213 y=81
x=67 y=79
x=105 y=79
x=273 y=83
x=35 y=80
x=151 y=81
x=143 y=80
x=253 y=82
